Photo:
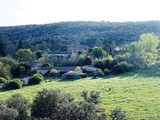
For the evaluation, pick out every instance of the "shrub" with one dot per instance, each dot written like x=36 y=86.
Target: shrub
x=53 y=71
x=79 y=111
x=61 y=72
x=81 y=60
x=99 y=64
x=25 y=65
x=47 y=103
x=78 y=69
x=46 y=65
x=36 y=79
x=5 y=71
x=88 y=60
x=122 y=67
x=118 y=114
x=109 y=64
x=2 y=80
x=22 y=68
x=94 y=97
x=98 y=73
x=52 y=104
x=39 y=54
x=14 y=84
x=21 y=105
x=106 y=71
x=7 y=113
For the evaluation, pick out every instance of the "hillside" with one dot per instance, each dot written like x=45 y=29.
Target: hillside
x=57 y=36
x=137 y=92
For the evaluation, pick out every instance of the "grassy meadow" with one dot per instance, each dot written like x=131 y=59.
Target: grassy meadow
x=137 y=92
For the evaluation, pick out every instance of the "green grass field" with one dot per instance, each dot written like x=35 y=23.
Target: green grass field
x=137 y=92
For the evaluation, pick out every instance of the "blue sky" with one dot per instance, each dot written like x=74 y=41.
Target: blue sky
x=22 y=12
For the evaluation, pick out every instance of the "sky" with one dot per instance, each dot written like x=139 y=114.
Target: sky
x=22 y=12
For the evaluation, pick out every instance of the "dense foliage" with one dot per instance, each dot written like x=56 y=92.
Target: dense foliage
x=7 y=113
x=21 y=104
x=60 y=106
x=13 y=84
x=2 y=80
x=50 y=104
x=36 y=79
x=98 y=73
x=15 y=108
x=57 y=36
x=122 y=67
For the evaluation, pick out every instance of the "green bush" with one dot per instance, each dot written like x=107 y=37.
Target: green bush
x=14 y=84
x=106 y=71
x=122 y=67
x=36 y=79
x=62 y=72
x=47 y=103
x=46 y=65
x=53 y=105
x=109 y=64
x=98 y=73
x=7 y=113
x=118 y=114
x=21 y=104
x=93 y=97
x=53 y=71
x=15 y=108
x=81 y=61
x=99 y=64
x=88 y=60
x=25 y=65
x=22 y=68
x=2 y=80
x=78 y=69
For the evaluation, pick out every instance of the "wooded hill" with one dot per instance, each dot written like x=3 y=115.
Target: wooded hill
x=57 y=36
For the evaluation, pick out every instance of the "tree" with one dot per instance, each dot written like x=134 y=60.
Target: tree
x=88 y=60
x=99 y=43
x=6 y=112
x=98 y=52
x=145 y=51
x=118 y=114
x=25 y=55
x=36 y=79
x=109 y=46
x=2 y=48
x=54 y=105
x=5 y=71
x=20 y=44
x=38 y=53
x=9 y=61
x=21 y=104
x=43 y=46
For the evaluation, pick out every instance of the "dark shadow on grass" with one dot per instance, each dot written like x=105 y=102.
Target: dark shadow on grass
x=4 y=90
x=144 y=73
x=67 y=80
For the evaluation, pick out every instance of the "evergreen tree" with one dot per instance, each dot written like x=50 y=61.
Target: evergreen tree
x=20 y=44
x=2 y=48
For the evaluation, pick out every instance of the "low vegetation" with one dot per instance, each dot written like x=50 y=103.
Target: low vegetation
x=55 y=105
x=36 y=79
x=13 y=84
x=133 y=92
x=2 y=80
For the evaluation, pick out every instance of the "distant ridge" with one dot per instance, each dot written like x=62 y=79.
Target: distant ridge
x=62 y=34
